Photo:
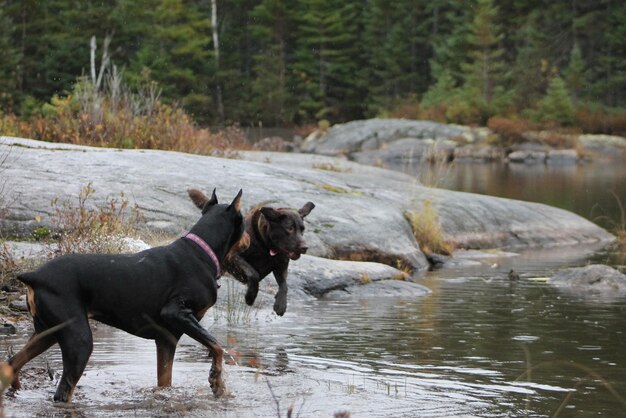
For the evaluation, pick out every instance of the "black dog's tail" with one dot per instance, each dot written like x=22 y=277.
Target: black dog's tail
x=26 y=278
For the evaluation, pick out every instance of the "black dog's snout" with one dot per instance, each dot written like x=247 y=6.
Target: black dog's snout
x=303 y=250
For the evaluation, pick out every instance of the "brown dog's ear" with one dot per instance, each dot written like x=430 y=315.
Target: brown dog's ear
x=271 y=214
x=201 y=200
x=306 y=209
x=236 y=203
x=198 y=198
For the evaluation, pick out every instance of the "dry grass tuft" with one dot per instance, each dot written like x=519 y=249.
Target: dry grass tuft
x=85 y=228
x=427 y=230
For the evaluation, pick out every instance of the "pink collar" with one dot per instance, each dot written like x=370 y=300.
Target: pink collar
x=207 y=249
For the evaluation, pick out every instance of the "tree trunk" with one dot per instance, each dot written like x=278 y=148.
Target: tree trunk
x=216 y=49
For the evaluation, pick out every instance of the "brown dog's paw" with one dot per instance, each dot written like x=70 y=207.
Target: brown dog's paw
x=251 y=293
x=280 y=305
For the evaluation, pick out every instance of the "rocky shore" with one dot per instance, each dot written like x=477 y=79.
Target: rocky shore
x=360 y=210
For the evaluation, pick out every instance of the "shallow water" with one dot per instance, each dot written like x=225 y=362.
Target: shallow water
x=477 y=346
x=590 y=190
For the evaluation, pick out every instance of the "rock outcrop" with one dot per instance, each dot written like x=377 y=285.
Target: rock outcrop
x=592 y=279
x=359 y=209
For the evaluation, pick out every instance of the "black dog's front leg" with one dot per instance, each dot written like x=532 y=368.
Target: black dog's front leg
x=181 y=319
x=280 y=300
x=247 y=274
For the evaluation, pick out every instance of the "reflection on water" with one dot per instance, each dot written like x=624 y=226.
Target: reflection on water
x=585 y=189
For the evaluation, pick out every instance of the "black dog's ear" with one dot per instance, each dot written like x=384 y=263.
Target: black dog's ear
x=211 y=202
x=236 y=203
x=306 y=209
x=271 y=214
x=201 y=200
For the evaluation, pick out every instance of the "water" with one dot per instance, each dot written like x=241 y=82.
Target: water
x=590 y=190
x=479 y=345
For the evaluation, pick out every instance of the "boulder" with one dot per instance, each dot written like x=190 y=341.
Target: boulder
x=374 y=135
x=562 y=157
x=607 y=145
x=319 y=277
x=527 y=157
x=595 y=278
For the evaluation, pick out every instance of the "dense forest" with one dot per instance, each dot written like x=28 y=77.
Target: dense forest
x=286 y=62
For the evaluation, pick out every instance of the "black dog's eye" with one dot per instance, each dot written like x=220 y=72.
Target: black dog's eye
x=290 y=228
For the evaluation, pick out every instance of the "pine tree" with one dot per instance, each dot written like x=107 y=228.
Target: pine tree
x=273 y=99
x=556 y=105
x=397 y=52
x=609 y=68
x=178 y=56
x=441 y=93
x=8 y=64
x=450 y=33
x=485 y=70
x=327 y=59
x=529 y=71
x=575 y=73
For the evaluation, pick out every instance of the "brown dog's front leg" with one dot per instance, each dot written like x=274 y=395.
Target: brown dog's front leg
x=246 y=274
x=280 y=300
x=182 y=320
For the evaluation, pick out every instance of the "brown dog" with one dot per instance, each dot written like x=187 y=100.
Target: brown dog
x=275 y=238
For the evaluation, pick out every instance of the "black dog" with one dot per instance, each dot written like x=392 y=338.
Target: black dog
x=275 y=238
x=159 y=294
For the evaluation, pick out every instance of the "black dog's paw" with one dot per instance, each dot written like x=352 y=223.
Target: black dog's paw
x=251 y=293
x=280 y=305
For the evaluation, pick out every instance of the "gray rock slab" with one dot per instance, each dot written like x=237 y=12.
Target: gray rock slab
x=359 y=209
x=316 y=276
x=371 y=134
x=381 y=289
x=595 y=279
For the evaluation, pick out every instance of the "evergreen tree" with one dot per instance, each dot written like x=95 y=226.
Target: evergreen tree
x=8 y=64
x=441 y=93
x=275 y=23
x=609 y=68
x=529 y=72
x=178 y=56
x=327 y=61
x=575 y=73
x=397 y=51
x=485 y=71
x=450 y=34
x=238 y=47
x=556 y=105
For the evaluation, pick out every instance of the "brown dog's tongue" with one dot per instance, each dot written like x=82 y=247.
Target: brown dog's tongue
x=273 y=252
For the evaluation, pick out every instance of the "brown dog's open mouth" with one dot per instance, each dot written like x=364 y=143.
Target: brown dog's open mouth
x=293 y=255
